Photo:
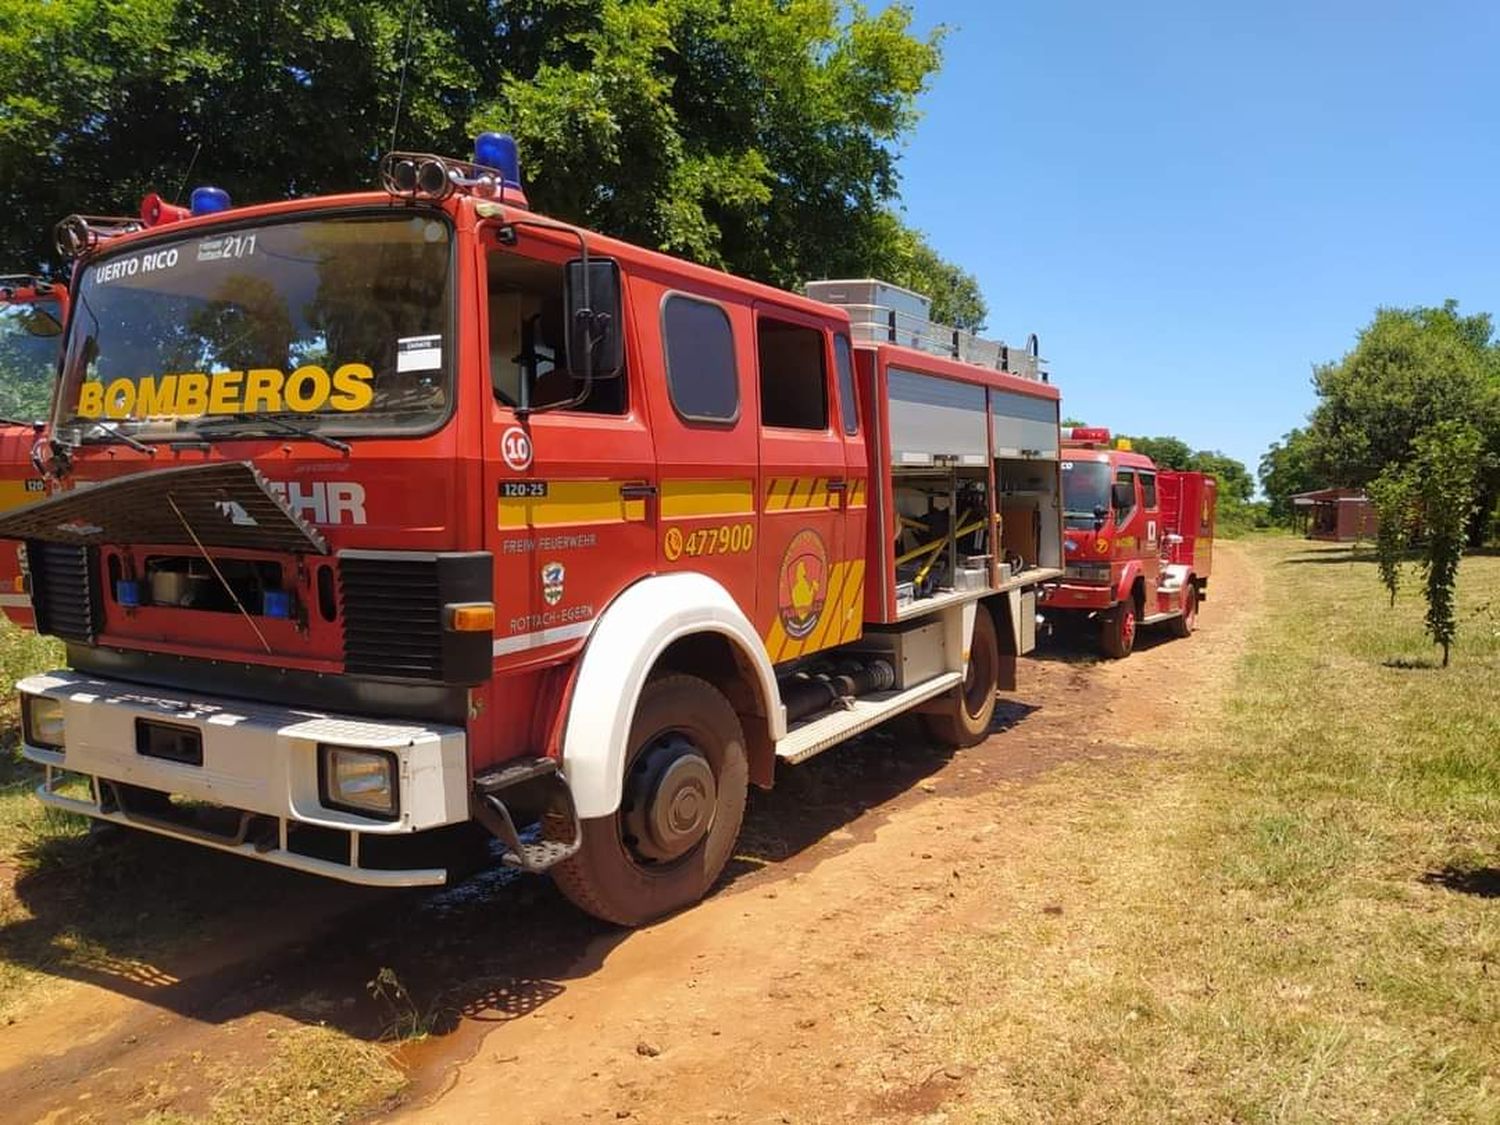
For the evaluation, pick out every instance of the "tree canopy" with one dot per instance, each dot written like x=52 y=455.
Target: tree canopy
x=1410 y=370
x=761 y=136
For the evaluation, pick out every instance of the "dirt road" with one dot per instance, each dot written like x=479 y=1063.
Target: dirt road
x=737 y=1010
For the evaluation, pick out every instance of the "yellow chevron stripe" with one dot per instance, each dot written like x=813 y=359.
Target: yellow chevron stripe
x=775 y=640
x=777 y=493
x=830 y=627
x=857 y=494
x=854 y=598
x=571 y=501
x=686 y=498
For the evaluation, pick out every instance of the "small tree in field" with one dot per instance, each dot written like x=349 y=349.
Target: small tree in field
x=1391 y=494
x=1446 y=474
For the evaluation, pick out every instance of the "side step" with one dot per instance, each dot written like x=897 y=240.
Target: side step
x=1155 y=618
x=544 y=785
x=817 y=735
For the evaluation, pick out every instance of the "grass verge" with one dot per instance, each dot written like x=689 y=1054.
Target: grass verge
x=1284 y=915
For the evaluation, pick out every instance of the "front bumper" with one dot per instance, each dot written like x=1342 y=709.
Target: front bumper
x=260 y=762
x=1078 y=595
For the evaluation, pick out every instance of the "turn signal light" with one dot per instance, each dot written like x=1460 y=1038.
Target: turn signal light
x=474 y=617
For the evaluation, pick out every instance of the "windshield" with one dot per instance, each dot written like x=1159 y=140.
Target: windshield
x=341 y=323
x=30 y=334
x=1085 y=488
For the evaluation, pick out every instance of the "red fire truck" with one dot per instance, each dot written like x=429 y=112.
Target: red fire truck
x=412 y=513
x=32 y=313
x=1138 y=541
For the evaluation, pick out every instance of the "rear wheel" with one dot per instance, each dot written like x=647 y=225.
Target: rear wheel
x=1117 y=630
x=680 y=808
x=965 y=719
x=1183 y=626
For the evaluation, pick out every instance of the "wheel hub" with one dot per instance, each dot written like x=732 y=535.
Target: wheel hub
x=671 y=798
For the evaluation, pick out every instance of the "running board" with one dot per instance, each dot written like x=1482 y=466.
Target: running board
x=817 y=735
x=1157 y=618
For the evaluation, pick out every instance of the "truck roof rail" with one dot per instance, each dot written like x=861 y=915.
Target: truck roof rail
x=881 y=313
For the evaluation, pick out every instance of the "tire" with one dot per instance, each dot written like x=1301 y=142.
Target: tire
x=1184 y=625
x=965 y=719
x=1117 y=630
x=628 y=873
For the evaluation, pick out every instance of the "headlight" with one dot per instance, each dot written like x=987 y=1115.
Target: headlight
x=42 y=718
x=358 y=781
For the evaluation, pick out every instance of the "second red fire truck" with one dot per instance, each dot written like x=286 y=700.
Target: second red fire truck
x=412 y=512
x=1138 y=541
x=32 y=313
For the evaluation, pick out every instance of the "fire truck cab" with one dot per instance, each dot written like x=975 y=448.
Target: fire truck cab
x=33 y=311
x=412 y=513
x=1138 y=542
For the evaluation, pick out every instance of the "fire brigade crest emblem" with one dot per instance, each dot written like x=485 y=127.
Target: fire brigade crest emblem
x=552 y=582
x=803 y=589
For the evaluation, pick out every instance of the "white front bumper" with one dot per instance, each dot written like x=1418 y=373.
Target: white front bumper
x=257 y=758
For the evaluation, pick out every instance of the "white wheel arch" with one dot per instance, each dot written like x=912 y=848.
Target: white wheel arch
x=628 y=639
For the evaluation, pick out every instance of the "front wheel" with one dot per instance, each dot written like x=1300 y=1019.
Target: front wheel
x=680 y=809
x=965 y=718
x=1117 y=630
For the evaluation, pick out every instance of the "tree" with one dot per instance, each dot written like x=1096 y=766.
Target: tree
x=1410 y=370
x=1167 y=452
x=1285 y=470
x=1391 y=495
x=760 y=136
x=1445 y=471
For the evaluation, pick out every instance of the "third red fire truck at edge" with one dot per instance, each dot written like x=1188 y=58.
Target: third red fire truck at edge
x=1138 y=541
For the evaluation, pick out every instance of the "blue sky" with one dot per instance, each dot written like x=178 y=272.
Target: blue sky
x=1192 y=203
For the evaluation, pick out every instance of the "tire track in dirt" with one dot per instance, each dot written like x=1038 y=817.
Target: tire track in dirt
x=732 y=1010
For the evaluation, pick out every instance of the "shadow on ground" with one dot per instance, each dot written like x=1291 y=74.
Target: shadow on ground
x=1482 y=882
x=214 y=937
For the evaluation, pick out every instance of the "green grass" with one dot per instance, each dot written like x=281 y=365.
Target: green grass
x=1273 y=919
x=23 y=822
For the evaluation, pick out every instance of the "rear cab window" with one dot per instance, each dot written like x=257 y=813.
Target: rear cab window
x=793 y=375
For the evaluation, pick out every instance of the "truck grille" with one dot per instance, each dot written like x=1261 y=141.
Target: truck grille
x=393 y=605
x=393 y=615
x=64 y=590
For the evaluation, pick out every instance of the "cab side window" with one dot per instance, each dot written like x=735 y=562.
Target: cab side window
x=525 y=305
x=793 y=377
x=843 y=359
x=1148 y=490
x=1127 y=478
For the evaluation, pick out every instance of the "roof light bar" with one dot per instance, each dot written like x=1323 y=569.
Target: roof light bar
x=494 y=171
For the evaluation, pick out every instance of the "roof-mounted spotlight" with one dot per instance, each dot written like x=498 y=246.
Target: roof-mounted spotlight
x=494 y=173
x=78 y=234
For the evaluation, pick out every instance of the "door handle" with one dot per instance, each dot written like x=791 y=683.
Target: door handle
x=639 y=491
x=838 y=484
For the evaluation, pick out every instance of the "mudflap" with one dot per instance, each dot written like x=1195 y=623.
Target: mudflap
x=535 y=790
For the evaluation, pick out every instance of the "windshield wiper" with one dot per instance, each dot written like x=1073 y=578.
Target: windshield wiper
x=113 y=430
x=250 y=420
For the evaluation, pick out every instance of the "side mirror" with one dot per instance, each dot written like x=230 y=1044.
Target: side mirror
x=595 y=319
x=1101 y=513
x=39 y=322
x=1122 y=496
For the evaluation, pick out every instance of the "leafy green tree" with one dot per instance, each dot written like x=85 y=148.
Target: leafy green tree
x=1285 y=470
x=1391 y=495
x=1409 y=370
x=1446 y=470
x=1167 y=452
x=760 y=136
